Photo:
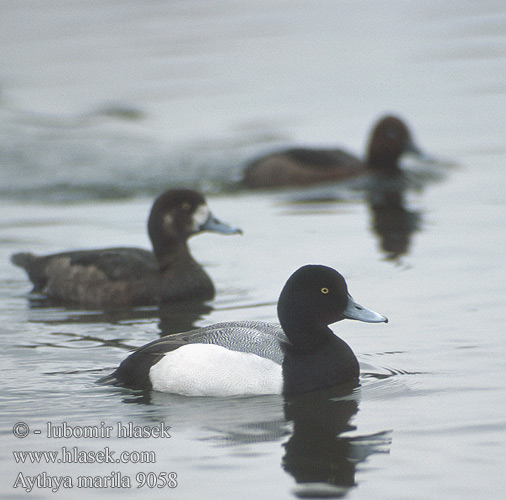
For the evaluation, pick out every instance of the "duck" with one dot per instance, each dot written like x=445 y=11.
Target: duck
x=244 y=358
x=389 y=140
x=123 y=276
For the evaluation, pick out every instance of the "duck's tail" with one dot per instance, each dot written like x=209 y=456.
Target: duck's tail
x=109 y=380
x=23 y=259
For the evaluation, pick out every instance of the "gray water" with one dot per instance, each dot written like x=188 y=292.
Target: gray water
x=104 y=105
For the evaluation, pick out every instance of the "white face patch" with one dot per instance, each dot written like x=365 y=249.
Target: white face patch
x=200 y=217
x=168 y=220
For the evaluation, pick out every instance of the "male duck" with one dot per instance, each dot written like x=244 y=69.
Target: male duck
x=301 y=354
x=133 y=276
x=389 y=140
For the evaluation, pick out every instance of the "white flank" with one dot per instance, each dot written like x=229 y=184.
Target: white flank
x=212 y=370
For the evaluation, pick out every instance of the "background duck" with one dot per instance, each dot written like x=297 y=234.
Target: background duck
x=301 y=354
x=389 y=140
x=134 y=276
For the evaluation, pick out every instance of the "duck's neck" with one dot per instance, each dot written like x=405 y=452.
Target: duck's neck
x=328 y=367
x=181 y=277
x=383 y=162
x=304 y=335
x=315 y=358
x=171 y=253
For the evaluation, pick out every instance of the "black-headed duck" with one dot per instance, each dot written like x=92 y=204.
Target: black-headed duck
x=301 y=354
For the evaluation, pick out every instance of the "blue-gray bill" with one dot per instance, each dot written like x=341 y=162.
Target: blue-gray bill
x=356 y=311
x=215 y=225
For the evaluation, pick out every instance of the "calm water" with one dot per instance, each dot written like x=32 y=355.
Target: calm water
x=101 y=107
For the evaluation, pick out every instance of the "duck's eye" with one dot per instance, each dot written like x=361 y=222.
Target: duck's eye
x=324 y=290
x=186 y=206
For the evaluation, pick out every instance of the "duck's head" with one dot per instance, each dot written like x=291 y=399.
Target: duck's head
x=389 y=140
x=178 y=214
x=318 y=296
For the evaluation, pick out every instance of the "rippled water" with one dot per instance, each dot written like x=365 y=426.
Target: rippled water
x=106 y=105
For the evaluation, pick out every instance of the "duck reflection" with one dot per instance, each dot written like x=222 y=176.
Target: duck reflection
x=320 y=458
x=173 y=318
x=314 y=429
x=391 y=220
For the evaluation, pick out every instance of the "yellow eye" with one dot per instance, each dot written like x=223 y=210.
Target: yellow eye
x=186 y=206
x=324 y=290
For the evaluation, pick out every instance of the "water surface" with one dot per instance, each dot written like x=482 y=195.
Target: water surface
x=103 y=106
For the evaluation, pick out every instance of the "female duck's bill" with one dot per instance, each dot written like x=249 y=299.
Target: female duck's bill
x=133 y=276
x=301 y=354
x=389 y=140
